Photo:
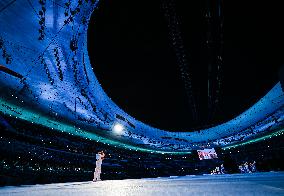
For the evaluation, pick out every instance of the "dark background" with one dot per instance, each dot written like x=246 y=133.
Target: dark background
x=133 y=58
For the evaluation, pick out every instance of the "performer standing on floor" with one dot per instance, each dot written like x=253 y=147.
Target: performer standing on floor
x=97 y=174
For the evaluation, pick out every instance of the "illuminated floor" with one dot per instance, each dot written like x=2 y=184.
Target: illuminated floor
x=247 y=184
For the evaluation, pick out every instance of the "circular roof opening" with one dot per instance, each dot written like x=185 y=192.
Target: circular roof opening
x=133 y=58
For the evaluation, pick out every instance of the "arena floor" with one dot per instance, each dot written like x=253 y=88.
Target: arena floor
x=271 y=183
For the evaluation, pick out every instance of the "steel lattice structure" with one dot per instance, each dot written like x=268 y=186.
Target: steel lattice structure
x=44 y=42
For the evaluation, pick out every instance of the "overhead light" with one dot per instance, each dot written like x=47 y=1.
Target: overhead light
x=118 y=128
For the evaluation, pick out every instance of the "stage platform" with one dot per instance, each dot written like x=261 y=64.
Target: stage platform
x=271 y=183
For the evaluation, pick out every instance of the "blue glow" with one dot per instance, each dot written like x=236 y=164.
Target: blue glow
x=60 y=84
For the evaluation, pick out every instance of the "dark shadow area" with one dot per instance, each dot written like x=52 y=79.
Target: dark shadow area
x=134 y=59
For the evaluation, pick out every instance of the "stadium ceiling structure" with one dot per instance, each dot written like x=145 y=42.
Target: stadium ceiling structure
x=46 y=78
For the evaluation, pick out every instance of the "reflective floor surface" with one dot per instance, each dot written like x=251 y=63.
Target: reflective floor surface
x=270 y=183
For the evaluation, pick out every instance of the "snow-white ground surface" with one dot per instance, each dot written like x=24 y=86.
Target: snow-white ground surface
x=271 y=183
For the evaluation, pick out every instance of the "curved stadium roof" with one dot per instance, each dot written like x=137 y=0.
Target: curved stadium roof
x=46 y=78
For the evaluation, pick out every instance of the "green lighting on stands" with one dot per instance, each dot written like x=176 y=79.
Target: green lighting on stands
x=30 y=116
x=278 y=133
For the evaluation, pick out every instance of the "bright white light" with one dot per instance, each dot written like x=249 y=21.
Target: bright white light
x=118 y=128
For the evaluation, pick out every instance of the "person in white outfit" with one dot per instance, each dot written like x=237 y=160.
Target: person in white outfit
x=97 y=174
